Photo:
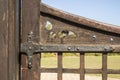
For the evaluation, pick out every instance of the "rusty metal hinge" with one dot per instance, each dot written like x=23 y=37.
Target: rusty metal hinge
x=30 y=48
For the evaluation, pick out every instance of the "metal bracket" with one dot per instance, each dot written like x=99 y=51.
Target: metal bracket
x=29 y=49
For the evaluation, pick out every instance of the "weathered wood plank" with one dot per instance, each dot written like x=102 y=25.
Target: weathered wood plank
x=3 y=40
x=79 y=19
x=112 y=71
x=13 y=39
x=76 y=71
x=84 y=31
x=81 y=34
x=9 y=40
x=30 y=22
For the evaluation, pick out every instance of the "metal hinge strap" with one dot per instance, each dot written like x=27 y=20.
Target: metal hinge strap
x=30 y=48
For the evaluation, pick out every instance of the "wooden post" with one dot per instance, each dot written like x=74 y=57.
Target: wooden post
x=30 y=15
x=104 y=66
x=59 y=77
x=82 y=66
x=9 y=40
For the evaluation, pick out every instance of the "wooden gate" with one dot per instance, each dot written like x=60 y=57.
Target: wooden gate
x=35 y=28
x=45 y=29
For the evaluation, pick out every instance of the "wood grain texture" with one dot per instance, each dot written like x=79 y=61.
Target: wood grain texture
x=3 y=40
x=9 y=40
x=13 y=39
x=30 y=15
x=79 y=19
x=88 y=32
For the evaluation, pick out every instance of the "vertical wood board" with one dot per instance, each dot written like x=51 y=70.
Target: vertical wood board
x=30 y=15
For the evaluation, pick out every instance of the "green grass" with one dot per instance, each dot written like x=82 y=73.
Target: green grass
x=93 y=62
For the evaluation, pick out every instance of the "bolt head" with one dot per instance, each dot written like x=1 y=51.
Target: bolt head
x=41 y=48
x=111 y=39
x=69 y=48
x=106 y=48
x=94 y=37
x=78 y=49
x=31 y=32
x=30 y=48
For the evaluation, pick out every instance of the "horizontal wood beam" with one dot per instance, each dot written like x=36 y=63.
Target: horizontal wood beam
x=76 y=71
